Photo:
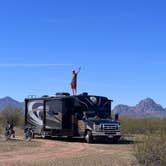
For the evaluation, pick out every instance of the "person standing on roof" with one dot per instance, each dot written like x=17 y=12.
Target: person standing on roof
x=74 y=81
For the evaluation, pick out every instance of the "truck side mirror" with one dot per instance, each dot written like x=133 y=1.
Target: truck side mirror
x=116 y=117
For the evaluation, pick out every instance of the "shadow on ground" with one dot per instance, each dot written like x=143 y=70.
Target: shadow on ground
x=98 y=141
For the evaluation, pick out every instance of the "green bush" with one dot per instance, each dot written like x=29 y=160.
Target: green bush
x=150 y=144
x=143 y=126
x=11 y=114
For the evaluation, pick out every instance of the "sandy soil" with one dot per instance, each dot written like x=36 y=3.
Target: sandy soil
x=51 y=149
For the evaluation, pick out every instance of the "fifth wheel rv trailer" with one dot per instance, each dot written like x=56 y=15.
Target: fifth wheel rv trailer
x=83 y=115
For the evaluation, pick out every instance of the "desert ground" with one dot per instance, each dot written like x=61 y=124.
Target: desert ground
x=61 y=152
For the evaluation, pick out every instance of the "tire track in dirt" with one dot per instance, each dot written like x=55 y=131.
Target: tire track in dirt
x=117 y=155
x=48 y=149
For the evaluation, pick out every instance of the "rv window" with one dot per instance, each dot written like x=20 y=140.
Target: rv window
x=35 y=110
x=36 y=105
x=54 y=107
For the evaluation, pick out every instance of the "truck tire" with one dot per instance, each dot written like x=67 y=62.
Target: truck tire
x=89 y=137
x=116 y=140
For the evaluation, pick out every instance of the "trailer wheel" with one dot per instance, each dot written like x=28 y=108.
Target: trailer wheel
x=89 y=137
x=43 y=134
x=28 y=135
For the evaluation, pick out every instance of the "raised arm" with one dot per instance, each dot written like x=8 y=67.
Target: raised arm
x=79 y=69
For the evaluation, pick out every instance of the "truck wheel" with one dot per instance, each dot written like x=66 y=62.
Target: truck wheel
x=69 y=138
x=89 y=137
x=116 y=140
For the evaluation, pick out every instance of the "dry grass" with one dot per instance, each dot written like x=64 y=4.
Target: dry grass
x=99 y=155
x=74 y=154
x=151 y=151
x=143 y=126
x=16 y=144
x=90 y=160
x=150 y=147
x=93 y=154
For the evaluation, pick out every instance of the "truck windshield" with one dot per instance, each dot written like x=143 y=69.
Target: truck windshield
x=98 y=113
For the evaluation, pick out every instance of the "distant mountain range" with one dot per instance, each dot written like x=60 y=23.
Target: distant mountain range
x=145 y=108
x=8 y=101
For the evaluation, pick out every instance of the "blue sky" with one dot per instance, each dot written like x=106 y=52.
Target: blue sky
x=120 y=46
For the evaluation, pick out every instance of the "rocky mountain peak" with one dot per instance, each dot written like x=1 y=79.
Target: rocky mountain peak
x=145 y=108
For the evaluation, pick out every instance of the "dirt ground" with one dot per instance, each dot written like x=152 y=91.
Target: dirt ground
x=64 y=152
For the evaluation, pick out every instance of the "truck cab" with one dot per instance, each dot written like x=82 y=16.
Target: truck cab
x=94 y=118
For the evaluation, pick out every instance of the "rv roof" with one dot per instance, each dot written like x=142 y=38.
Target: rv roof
x=62 y=97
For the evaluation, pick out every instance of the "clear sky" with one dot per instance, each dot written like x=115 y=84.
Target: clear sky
x=120 y=45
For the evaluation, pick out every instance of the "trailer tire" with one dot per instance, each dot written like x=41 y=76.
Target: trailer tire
x=89 y=137
x=28 y=135
x=43 y=134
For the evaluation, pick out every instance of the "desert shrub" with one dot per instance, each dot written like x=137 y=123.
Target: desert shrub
x=11 y=114
x=143 y=126
x=150 y=143
x=151 y=151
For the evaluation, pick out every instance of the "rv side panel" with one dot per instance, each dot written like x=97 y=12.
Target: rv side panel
x=34 y=114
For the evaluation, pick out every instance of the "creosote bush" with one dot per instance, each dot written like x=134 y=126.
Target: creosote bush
x=150 y=144
x=11 y=114
x=143 y=126
x=151 y=151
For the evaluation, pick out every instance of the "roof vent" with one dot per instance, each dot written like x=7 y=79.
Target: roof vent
x=62 y=94
x=85 y=94
x=45 y=96
x=32 y=96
